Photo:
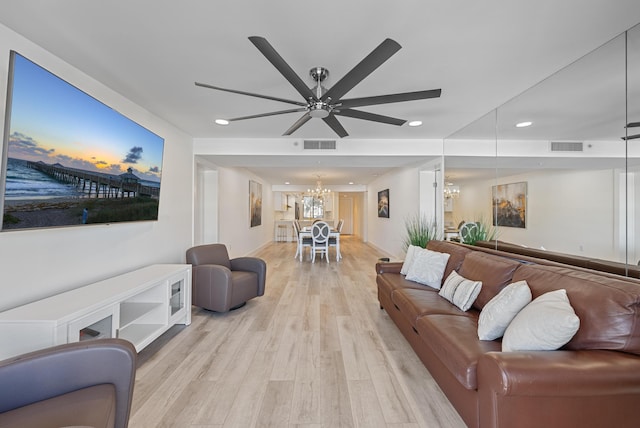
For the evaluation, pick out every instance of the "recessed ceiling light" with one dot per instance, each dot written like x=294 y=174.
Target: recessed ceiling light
x=222 y=122
x=286 y=182
x=351 y=182
x=523 y=124
x=415 y=123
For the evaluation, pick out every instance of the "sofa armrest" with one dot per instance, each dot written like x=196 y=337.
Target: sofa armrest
x=252 y=264
x=578 y=372
x=388 y=267
x=208 y=274
x=209 y=281
x=570 y=386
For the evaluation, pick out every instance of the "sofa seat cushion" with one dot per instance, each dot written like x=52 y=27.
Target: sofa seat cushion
x=415 y=303
x=494 y=272
x=454 y=340
x=608 y=308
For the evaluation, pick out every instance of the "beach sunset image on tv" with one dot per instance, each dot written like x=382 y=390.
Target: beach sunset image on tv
x=69 y=159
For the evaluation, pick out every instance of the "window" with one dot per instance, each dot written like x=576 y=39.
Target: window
x=312 y=207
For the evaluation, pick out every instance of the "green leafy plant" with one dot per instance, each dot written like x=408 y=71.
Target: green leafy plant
x=420 y=230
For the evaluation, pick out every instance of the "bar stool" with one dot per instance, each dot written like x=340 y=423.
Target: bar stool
x=282 y=233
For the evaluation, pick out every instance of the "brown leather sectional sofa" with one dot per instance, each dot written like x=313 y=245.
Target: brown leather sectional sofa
x=593 y=381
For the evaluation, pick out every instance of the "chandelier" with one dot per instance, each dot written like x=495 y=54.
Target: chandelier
x=319 y=191
x=450 y=191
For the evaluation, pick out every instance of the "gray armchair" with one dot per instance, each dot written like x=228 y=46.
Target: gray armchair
x=221 y=284
x=86 y=383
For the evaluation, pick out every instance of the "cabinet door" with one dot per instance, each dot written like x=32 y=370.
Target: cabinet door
x=180 y=298
x=277 y=201
x=328 y=203
x=97 y=325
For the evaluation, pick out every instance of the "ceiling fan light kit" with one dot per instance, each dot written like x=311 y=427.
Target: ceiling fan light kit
x=327 y=104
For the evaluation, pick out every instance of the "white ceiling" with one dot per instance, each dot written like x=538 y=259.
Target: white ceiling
x=480 y=53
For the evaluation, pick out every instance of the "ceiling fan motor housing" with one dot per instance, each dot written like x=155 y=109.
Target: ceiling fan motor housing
x=319 y=73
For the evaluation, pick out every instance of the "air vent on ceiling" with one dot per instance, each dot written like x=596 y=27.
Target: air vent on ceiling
x=319 y=144
x=567 y=146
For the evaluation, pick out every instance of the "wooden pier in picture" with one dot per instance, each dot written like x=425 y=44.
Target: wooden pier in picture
x=96 y=183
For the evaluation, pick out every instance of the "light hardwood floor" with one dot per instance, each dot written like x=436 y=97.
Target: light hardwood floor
x=314 y=351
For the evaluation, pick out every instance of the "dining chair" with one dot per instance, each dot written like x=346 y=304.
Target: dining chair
x=300 y=243
x=333 y=241
x=320 y=235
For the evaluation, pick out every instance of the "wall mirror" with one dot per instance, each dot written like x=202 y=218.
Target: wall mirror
x=570 y=174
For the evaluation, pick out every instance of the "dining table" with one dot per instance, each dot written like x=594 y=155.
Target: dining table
x=305 y=232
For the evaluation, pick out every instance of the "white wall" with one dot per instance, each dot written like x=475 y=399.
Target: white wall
x=387 y=234
x=206 y=209
x=39 y=263
x=234 y=227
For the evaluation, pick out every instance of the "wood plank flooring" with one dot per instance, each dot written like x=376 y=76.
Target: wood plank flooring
x=314 y=351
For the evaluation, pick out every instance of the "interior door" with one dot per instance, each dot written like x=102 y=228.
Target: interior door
x=346 y=213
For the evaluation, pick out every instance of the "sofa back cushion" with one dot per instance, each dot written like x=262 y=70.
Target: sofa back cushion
x=456 y=253
x=495 y=272
x=608 y=308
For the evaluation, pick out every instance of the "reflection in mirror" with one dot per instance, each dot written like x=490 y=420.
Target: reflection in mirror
x=570 y=160
x=568 y=181
x=633 y=144
x=470 y=168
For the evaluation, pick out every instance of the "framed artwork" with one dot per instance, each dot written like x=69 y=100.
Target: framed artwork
x=255 y=203
x=383 y=203
x=510 y=205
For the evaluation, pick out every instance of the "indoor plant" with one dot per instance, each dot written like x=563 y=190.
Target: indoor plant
x=420 y=230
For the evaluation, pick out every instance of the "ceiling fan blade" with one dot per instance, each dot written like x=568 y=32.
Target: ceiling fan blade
x=392 y=98
x=358 y=114
x=251 y=94
x=278 y=62
x=633 y=125
x=273 y=113
x=304 y=119
x=631 y=137
x=375 y=59
x=335 y=125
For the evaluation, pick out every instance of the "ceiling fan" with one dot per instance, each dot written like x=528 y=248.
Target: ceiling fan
x=632 y=125
x=327 y=104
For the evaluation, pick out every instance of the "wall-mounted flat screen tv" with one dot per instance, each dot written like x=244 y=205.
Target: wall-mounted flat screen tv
x=68 y=159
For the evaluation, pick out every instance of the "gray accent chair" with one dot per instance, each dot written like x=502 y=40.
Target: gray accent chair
x=221 y=284
x=87 y=383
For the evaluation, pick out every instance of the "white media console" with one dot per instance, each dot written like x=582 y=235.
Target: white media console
x=137 y=306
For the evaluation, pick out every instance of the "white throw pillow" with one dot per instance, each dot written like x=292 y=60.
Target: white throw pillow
x=408 y=259
x=427 y=267
x=545 y=324
x=460 y=291
x=499 y=311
